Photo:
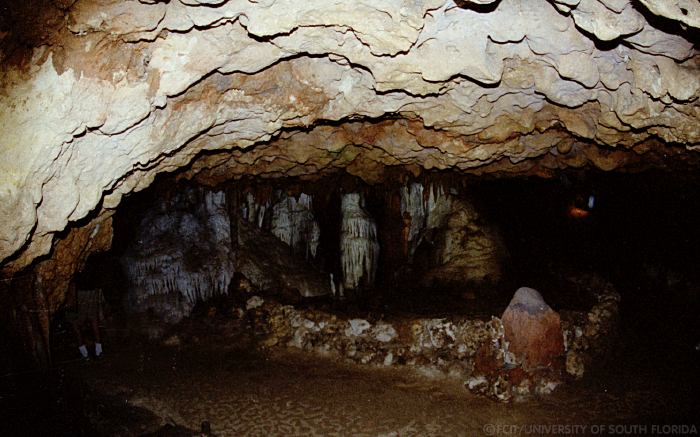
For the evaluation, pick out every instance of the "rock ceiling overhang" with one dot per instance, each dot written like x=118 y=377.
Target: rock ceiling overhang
x=112 y=93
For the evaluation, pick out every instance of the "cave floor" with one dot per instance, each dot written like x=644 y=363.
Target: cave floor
x=212 y=372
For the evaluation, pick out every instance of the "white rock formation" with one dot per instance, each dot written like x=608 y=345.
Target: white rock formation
x=359 y=248
x=254 y=212
x=428 y=210
x=179 y=257
x=291 y=218
x=293 y=222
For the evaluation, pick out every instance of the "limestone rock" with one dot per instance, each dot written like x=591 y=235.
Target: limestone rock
x=685 y=11
x=254 y=302
x=589 y=336
x=71 y=254
x=574 y=365
x=357 y=327
x=533 y=330
x=113 y=93
x=267 y=263
x=384 y=332
x=181 y=254
x=607 y=22
x=466 y=250
x=359 y=248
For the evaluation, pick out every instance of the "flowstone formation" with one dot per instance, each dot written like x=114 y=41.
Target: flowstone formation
x=359 y=249
x=98 y=97
x=446 y=232
x=180 y=255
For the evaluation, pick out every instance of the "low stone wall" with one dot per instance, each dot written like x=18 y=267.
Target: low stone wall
x=588 y=336
x=452 y=346
x=441 y=345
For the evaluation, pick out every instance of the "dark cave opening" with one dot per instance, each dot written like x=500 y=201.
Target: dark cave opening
x=640 y=231
x=640 y=235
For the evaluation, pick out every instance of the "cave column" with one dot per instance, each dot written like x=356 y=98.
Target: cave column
x=359 y=248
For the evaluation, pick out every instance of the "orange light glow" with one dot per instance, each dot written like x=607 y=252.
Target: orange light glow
x=577 y=213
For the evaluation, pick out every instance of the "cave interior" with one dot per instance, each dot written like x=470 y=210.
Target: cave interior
x=638 y=232
x=297 y=218
x=167 y=274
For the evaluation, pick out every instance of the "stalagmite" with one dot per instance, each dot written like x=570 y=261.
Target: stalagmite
x=359 y=249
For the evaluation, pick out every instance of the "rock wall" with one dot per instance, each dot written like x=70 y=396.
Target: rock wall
x=467 y=250
x=449 y=243
x=97 y=97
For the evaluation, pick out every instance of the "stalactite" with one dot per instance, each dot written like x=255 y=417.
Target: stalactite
x=428 y=209
x=292 y=220
x=438 y=207
x=412 y=203
x=314 y=238
x=254 y=212
x=167 y=258
x=359 y=249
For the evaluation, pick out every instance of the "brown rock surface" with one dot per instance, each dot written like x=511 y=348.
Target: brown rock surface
x=533 y=330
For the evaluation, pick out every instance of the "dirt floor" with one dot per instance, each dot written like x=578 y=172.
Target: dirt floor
x=208 y=370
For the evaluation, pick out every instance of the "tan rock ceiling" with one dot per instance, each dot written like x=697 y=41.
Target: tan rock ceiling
x=97 y=97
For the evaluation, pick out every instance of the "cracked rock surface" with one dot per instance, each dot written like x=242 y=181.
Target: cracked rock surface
x=98 y=97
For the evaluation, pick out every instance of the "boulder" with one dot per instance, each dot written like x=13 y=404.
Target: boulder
x=533 y=331
x=268 y=264
x=462 y=247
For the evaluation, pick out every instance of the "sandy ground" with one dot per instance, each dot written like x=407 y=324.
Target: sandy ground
x=215 y=374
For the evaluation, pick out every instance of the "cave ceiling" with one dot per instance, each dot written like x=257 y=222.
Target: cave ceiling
x=98 y=97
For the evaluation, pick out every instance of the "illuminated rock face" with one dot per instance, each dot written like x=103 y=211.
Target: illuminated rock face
x=116 y=92
x=448 y=234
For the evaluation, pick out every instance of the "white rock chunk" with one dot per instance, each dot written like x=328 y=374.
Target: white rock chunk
x=357 y=327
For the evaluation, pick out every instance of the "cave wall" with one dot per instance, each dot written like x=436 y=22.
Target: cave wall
x=98 y=97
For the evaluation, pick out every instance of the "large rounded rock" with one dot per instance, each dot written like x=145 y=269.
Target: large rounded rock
x=465 y=249
x=533 y=330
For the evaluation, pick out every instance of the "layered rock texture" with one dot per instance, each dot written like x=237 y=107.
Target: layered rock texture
x=98 y=97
